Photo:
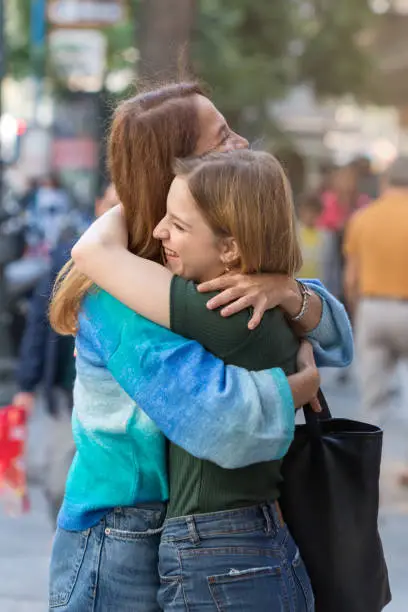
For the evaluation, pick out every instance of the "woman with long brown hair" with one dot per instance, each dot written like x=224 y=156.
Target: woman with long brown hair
x=105 y=551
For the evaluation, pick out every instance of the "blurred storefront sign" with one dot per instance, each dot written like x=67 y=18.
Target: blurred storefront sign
x=88 y=13
x=79 y=58
x=76 y=143
x=35 y=152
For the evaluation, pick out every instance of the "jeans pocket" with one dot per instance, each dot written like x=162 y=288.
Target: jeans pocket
x=67 y=557
x=260 y=589
x=304 y=590
x=122 y=534
x=134 y=523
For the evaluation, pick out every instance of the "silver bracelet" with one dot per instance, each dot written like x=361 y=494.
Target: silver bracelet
x=305 y=293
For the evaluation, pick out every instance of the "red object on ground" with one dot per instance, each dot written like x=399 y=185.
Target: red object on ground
x=13 y=483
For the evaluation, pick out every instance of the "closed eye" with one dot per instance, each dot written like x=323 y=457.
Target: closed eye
x=179 y=227
x=225 y=139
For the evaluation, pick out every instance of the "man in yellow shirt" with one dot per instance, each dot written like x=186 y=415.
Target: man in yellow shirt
x=376 y=287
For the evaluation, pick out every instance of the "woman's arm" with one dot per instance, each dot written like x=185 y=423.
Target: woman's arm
x=325 y=324
x=332 y=340
x=221 y=413
x=101 y=254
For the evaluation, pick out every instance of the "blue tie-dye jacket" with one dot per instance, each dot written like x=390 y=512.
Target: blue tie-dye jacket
x=222 y=413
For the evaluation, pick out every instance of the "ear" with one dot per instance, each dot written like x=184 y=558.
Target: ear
x=230 y=253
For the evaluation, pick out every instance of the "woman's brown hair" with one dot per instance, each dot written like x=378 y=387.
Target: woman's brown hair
x=148 y=133
x=246 y=195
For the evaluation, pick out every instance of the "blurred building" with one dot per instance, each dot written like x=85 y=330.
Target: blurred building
x=317 y=133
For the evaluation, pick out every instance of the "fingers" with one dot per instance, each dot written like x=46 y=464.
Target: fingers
x=237 y=306
x=259 y=311
x=256 y=319
x=315 y=404
x=225 y=297
x=221 y=282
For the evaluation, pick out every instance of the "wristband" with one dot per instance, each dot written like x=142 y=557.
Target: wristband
x=305 y=293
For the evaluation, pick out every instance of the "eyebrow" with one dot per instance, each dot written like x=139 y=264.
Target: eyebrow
x=181 y=221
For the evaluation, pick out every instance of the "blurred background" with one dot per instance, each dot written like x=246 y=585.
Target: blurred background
x=320 y=83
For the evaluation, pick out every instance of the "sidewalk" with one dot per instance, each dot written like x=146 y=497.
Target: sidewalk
x=25 y=542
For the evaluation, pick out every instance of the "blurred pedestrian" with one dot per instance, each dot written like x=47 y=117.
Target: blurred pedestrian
x=368 y=182
x=48 y=213
x=47 y=359
x=376 y=287
x=311 y=237
x=340 y=201
x=28 y=198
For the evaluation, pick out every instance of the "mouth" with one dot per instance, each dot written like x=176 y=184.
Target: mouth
x=169 y=253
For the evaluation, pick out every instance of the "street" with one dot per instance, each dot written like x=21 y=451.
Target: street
x=26 y=541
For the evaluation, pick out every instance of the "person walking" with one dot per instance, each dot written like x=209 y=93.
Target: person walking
x=376 y=288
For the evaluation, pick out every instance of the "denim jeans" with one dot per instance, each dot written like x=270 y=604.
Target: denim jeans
x=112 y=566
x=240 y=560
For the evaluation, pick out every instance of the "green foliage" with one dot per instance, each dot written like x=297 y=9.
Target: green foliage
x=249 y=51
x=17 y=28
x=333 y=60
x=240 y=48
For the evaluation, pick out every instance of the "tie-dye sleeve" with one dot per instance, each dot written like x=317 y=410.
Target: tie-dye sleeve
x=221 y=413
x=332 y=339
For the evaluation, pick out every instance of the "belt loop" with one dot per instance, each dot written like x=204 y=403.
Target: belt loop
x=277 y=512
x=192 y=530
x=267 y=515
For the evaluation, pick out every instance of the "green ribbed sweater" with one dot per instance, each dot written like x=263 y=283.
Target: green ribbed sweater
x=198 y=486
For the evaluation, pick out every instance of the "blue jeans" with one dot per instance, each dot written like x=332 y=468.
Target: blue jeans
x=112 y=566
x=239 y=560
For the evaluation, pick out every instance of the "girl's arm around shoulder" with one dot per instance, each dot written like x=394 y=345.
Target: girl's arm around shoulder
x=102 y=255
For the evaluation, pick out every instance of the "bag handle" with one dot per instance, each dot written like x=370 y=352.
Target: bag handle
x=313 y=418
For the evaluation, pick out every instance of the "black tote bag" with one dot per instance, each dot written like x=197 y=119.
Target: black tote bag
x=329 y=500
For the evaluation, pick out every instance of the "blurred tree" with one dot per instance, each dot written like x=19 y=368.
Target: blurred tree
x=164 y=36
x=252 y=52
x=334 y=59
x=17 y=14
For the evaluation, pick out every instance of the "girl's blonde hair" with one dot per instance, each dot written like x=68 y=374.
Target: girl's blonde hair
x=246 y=195
x=148 y=133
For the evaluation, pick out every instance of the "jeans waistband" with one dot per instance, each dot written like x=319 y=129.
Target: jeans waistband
x=136 y=518
x=267 y=516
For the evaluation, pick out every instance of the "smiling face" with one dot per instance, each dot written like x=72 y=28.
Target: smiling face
x=215 y=133
x=191 y=247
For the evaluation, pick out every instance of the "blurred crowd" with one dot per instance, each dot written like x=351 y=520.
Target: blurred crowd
x=354 y=236
x=324 y=215
x=45 y=359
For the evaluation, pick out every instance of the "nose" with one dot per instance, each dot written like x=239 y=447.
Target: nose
x=161 y=232
x=236 y=142
x=241 y=142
